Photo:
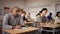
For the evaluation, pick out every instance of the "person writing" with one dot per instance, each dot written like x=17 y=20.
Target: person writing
x=12 y=20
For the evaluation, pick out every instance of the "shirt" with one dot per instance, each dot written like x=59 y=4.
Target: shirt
x=9 y=20
x=57 y=20
x=41 y=19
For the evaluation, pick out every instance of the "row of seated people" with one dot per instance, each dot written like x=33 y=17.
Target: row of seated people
x=16 y=19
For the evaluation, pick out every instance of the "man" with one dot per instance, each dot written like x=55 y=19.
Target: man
x=12 y=20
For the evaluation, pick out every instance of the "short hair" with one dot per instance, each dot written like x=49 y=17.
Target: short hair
x=57 y=14
x=15 y=7
x=43 y=9
x=50 y=13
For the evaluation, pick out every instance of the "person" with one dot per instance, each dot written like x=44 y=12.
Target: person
x=12 y=20
x=49 y=17
x=42 y=18
x=57 y=19
x=28 y=17
x=23 y=14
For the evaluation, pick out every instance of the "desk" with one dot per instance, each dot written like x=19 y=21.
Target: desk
x=48 y=25
x=29 y=23
x=29 y=29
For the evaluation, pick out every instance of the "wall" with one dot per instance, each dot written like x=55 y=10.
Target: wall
x=34 y=6
x=12 y=3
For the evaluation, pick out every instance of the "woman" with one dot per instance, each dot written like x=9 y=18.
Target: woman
x=28 y=17
x=57 y=19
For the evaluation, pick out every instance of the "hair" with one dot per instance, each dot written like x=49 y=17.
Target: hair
x=15 y=7
x=23 y=12
x=38 y=13
x=50 y=13
x=57 y=14
x=43 y=9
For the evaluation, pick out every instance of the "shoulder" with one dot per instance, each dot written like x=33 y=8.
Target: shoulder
x=6 y=16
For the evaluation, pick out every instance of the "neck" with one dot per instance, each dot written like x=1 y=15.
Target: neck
x=42 y=15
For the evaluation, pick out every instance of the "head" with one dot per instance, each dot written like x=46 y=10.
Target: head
x=44 y=11
x=15 y=11
x=58 y=14
x=20 y=11
x=50 y=14
x=23 y=13
x=28 y=14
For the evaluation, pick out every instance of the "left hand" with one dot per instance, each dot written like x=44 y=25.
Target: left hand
x=18 y=27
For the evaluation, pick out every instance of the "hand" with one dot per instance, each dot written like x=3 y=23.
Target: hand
x=18 y=27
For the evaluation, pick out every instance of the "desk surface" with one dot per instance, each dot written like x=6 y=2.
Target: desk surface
x=15 y=31
x=49 y=25
x=28 y=22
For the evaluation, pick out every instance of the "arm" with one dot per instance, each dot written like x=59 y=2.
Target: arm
x=5 y=22
x=38 y=19
x=22 y=22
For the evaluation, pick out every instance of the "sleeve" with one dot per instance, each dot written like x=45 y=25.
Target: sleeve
x=5 y=22
x=56 y=20
x=38 y=19
x=22 y=22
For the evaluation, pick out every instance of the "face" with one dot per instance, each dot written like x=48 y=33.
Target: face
x=23 y=14
x=59 y=14
x=28 y=14
x=15 y=11
x=44 y=12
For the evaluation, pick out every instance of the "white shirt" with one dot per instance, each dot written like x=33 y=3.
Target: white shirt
x=57 y=20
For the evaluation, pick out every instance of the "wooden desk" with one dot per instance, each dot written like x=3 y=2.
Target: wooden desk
x=29 y=29
x=48 y=25
x=28 y=22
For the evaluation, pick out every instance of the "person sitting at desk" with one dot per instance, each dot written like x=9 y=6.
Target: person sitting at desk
x=57 y=19
x=12 y=20
x=49 y=17
x=28 y=17
x=42 y=18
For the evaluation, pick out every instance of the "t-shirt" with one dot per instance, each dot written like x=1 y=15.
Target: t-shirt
x=41 y=19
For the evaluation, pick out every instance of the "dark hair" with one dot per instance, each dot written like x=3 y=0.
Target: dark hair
x=43 y=9
x=39 y=13
x=50 y=13
x=57 y=14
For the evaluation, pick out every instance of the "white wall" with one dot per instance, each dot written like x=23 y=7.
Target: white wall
x=12 y=3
